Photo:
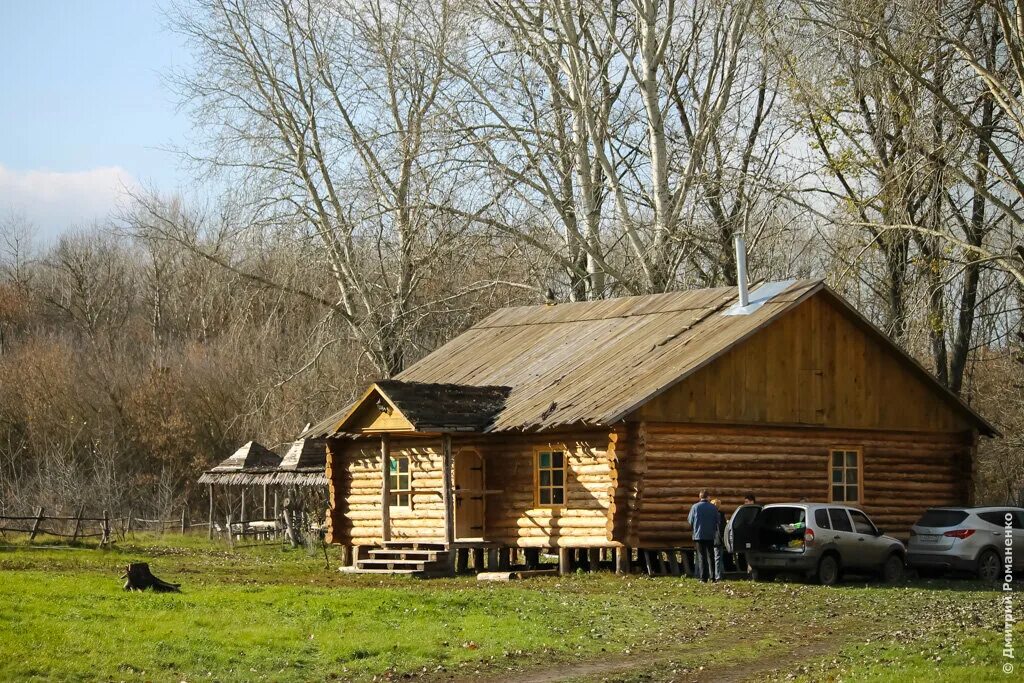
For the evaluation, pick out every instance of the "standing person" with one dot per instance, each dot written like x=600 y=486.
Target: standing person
x=703 y=520
x=719 y=542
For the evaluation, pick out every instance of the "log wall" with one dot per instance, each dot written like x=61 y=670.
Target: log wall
x=903 y=472
x=585 y=521
x=354 y=474
x=511 y=517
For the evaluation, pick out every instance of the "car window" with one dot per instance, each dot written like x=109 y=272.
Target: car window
x=821 y=519
x=997 y=517
x=942 y=518
x=745 y=514
x=861 y=523
x=840 y=520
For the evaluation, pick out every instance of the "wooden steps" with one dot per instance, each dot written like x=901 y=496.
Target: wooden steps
x=417 y=558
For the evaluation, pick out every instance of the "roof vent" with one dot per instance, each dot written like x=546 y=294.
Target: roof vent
x=741 y=269
x=761 y=295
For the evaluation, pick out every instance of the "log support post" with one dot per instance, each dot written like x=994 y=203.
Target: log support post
x=594 y=559
x=446 y=491
x=673 y=562
x=565 y=561
x=385 y=488
x=461 y=560
x=210 y=521
x=532 y=557
x=478 y=559
x=688 y=567
x=504 y=559
x=346 y=556
x=622 y=560
x=492 y=559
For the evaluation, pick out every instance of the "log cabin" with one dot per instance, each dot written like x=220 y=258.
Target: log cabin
x=588 y=428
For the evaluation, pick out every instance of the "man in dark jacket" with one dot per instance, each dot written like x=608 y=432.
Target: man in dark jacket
x=703 y=520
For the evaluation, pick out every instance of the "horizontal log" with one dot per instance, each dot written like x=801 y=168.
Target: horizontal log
x=551 y=523
x=839 y=436
x=555 y=541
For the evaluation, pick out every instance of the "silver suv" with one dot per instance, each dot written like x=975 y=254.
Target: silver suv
x=818 y=540
x=970 y=539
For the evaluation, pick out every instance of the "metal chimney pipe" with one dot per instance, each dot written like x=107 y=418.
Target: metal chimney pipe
x=741 y=268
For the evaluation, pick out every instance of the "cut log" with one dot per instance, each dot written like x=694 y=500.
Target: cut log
x=139 y=578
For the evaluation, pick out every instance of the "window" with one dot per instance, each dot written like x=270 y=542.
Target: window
x=400 y=488
x=937 y=517
x=845 y=469
x=821 y=519
x=998 y=517
x=862 y=524
x=550 y=478
x=840 y=520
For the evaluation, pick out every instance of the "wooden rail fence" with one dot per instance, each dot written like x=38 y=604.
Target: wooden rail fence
x=82 y=527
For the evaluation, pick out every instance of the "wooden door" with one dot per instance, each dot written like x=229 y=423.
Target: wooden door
x=469 y=495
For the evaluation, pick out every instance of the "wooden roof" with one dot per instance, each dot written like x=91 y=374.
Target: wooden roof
x=241 y=466
x=304 y=464
x=252 y=455
x=596 y=362
x=305 y=454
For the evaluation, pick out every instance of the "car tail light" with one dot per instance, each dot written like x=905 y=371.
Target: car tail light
x=959 y=533
x=809 y=537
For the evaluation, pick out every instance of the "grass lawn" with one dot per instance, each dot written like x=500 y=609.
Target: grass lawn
x=268 y=613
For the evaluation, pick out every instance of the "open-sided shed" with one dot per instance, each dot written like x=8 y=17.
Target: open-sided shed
x=593 y=425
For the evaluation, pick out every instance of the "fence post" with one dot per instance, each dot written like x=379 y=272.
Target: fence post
x=182 y=521
x=128 y=527
x=210 y=534
x=231 y=538
x=78 y=523
x=36 y=523
x=105 y=539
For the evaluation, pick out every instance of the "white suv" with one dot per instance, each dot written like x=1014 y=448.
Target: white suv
x=971 y=539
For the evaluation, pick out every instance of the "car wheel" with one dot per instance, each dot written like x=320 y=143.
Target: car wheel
x=828 y=570
x=762 y=575
x=988 y=566
x=892 y=569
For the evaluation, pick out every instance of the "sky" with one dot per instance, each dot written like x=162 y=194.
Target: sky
x=84 y=108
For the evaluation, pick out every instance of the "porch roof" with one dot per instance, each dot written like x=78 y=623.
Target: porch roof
x=425 y=406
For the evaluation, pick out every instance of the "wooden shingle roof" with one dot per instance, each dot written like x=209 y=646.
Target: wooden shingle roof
x=596 y=362
x=241 y=466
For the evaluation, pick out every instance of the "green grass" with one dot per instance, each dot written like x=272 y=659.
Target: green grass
x=268 y=613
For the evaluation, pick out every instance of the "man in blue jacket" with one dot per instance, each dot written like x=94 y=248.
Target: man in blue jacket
x=703 y=520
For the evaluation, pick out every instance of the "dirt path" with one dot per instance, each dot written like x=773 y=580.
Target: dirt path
x=682 y=662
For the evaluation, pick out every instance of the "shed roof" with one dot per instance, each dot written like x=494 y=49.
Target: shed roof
x=305 y=454
x=241 y=466
x=249 y=456
x=595 y=362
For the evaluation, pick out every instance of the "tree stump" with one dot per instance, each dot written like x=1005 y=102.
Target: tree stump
x=139 y=578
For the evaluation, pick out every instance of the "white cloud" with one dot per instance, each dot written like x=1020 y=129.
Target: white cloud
x=55 y=202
